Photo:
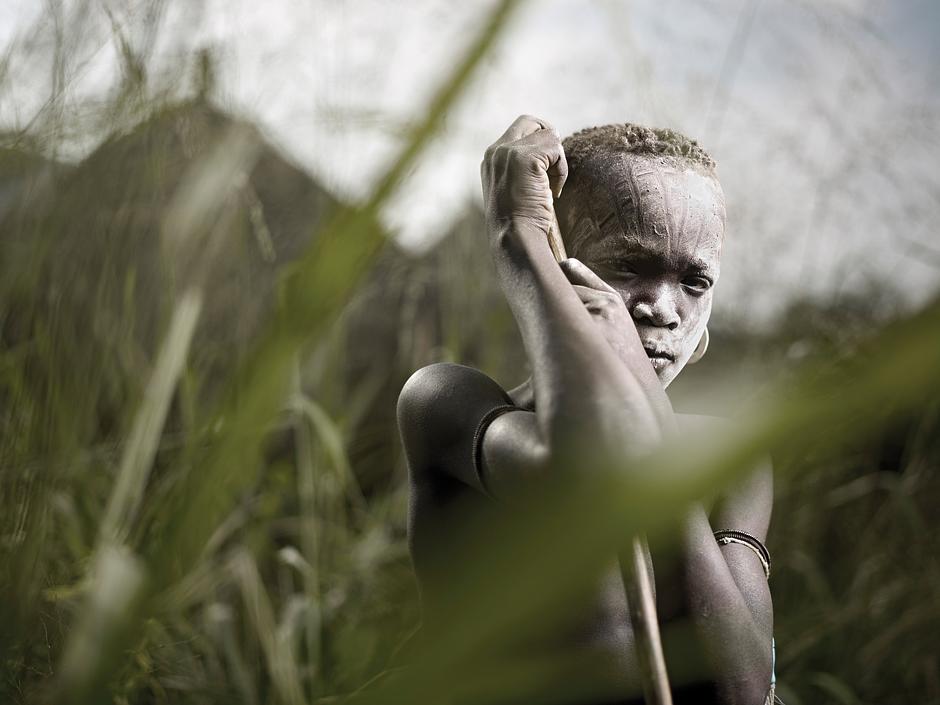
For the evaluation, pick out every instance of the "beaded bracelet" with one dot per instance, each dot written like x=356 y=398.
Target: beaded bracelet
x=726 y=536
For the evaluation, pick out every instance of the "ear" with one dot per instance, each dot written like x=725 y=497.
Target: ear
x=700 y=349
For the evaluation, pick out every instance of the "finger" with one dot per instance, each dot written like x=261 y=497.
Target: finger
x=545 y=142
x=587 y=294
x=522 y=126
x=579 y=273
x=558 y=172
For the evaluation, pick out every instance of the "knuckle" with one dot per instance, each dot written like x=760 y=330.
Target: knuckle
x=501 y=156
x=523 y=160
x=503 y=151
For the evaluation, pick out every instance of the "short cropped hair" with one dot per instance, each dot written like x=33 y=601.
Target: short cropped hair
x=593 y=142
x=591 y=154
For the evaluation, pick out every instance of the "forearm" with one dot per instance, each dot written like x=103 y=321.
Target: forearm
x=579 y=383
x=729 y=610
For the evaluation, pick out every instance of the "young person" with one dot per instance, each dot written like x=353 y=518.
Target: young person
x=642 y=217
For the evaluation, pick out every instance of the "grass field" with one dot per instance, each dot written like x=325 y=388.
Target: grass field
x=203 y=498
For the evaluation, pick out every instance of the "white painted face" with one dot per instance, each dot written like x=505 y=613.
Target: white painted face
x=651 y=226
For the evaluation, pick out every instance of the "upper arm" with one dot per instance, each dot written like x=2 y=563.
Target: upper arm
x=440 y=409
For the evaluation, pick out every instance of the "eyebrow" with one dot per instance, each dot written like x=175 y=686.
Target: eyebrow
x=699 y=266
x=696 y=265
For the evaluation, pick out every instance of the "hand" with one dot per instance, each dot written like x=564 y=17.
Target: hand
x=521 y=171
x=610 y=314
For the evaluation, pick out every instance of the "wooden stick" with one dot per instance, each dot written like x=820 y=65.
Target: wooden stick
x=636 y=581
x=554 y=239
x=649 y=647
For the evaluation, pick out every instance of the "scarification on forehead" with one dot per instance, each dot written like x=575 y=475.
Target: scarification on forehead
x=648 y=203
x=620 y=183
x=582 y=224
x=686 y=207
x=650 y=181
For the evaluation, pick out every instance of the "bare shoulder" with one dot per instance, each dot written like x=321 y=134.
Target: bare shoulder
x=439 y=409
x=747 y=504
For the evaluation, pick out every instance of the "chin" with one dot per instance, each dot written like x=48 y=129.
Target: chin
x=668 y=373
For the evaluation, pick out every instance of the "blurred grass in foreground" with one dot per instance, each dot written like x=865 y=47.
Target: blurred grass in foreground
x=202 y=496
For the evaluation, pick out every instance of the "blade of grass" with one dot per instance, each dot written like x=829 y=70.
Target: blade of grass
x=310 y=542
x=117 y=585
x=218 y=619
x=282 y=665
x=140 y=449
x=330 y=437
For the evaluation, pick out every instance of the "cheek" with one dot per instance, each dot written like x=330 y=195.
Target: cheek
x=695 y=319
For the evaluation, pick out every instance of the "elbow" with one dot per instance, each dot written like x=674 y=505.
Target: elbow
x=759 y=685
x=752 y=692
x=417 y=392
x=751 y=685
x=416 y=411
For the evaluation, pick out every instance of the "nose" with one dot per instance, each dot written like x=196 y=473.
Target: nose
x=656 y=309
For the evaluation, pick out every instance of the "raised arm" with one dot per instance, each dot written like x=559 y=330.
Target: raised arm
x=581 y=387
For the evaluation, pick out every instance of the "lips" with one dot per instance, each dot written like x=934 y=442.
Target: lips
x=659 y=355
x=657 y=350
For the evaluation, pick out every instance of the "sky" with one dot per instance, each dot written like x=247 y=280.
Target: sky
x=821 y=114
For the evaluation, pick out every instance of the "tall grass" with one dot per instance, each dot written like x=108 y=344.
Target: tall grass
x=127 y=581
x=200 y=356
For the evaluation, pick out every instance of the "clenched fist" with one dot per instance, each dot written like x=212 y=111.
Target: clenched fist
x=521 y=172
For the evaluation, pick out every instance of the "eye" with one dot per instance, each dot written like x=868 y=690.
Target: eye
x=618 y=269
x=696 y=285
